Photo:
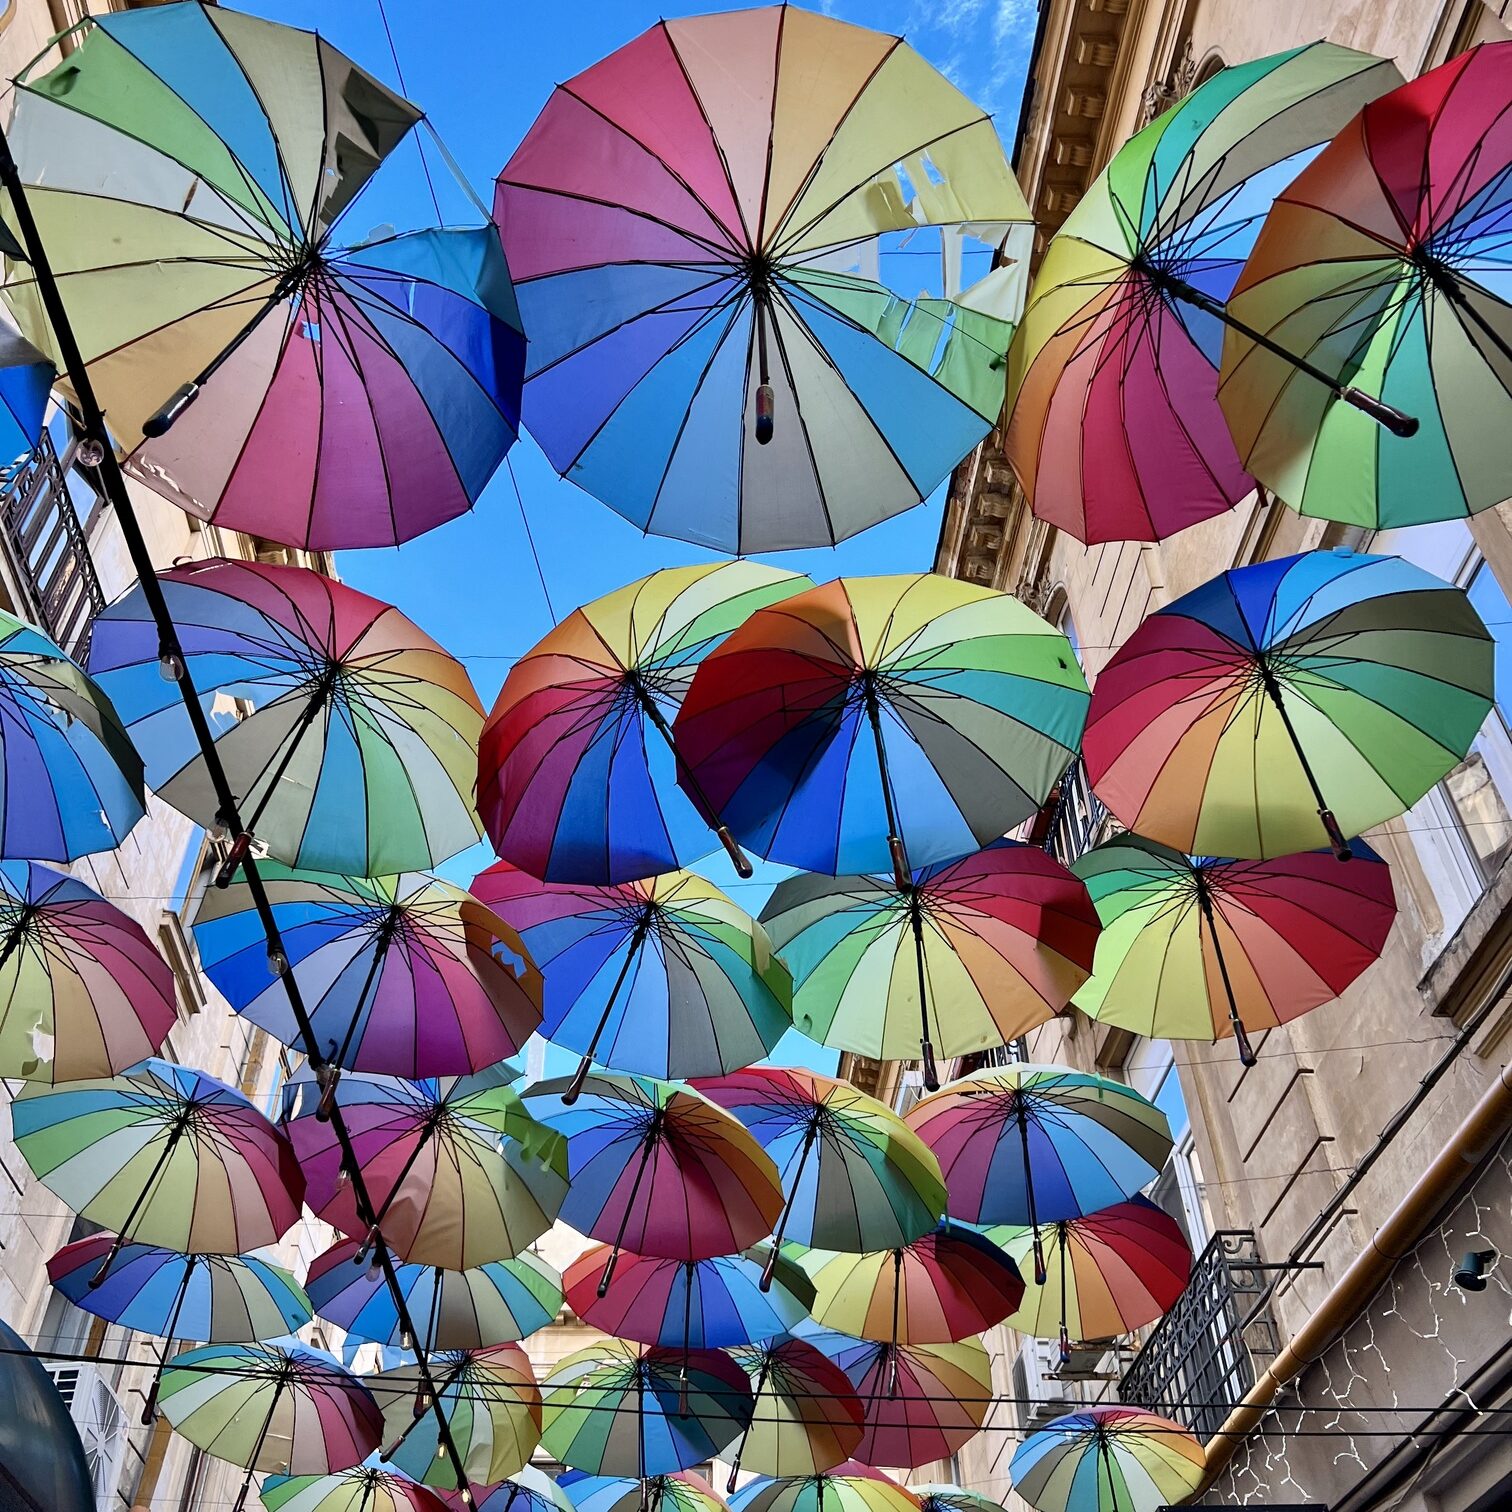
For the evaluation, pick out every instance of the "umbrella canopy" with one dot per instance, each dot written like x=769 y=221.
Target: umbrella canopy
x=358 y=755
x=163 y=1155
x=577 y=767
x=491 y=1405
x=851 y=1487
x=665 y=977
x=366 y=1488
x=193 y=175
x=451 y=1309
x=853 y=1174
x=459 y=1172
x=940 y=1497
x=1195 y=948
x=64 y=751
x=1310 y=696
x=951 y=1284
x=1385 y=263
x=1002 y=939
x=83 y=990
x=877 y=723
x=529 y=1491
x=1034 y=1144
x=681 y=1491
x=807 y=1417
x=1107 y=1459
x=46 y=1468
x=217 y=1299
x=1114 y=428
x=26 y=379
x=751 y=173
x=658 y=1169
x=703 y=1304
x=1106 y=1274
x=277 y=1407
x=406 y=975
x=632 y=1410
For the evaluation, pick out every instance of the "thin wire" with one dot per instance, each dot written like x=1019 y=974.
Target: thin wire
x=404 y=90
x=535 y=556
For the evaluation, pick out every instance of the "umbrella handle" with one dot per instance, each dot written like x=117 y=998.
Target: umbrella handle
x=926 y=1045
x=1336 y=840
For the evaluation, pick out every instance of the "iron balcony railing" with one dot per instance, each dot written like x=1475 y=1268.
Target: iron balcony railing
x=1078 y=818
x=1198 y=1362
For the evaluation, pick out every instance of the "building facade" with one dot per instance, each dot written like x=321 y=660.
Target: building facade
x=1386 y=1108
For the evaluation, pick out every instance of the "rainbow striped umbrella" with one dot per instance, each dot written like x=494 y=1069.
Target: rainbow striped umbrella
x=405 y=975
x=681 y=1491
x=26 y=380
x=528 y=1491
x=1322 y=693
x=849 y=1487
x=83 y=990
x=945 y=1497
x=1107 y=1459
x=666 y=977
x=359 y=754
x=807 y=1417
x=489 y=1304
x=370 y=1487
x=577 y=767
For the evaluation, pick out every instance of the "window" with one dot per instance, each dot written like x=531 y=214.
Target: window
x=1151 y=1071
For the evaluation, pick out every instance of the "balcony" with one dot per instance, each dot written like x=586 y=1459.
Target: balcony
x=1077 y=817
x=1198 y=1362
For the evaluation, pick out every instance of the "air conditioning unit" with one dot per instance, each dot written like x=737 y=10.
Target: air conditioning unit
x=1037 y=1387
x=100 y=1419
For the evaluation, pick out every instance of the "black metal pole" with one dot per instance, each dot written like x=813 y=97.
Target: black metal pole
x=149 y=1407
x=902 y=873
x=257 y=1447
x=745 y=1433
x=1336 y=836
x=648 y=1144
x=386 y=932
x=1241 y=1038
x=1065 y=1336
x=632 y=958
x=181 y=1123
x=1039 y=1252
x=770 y=1268
x=892 y=1355
x=926 y=1045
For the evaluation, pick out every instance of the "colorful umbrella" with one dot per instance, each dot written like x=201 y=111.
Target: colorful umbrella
x=1114 y=428
x=1385 y=263
x=271 y=1407
x=1107 y=1459
x=450 y=1309
x=852 y=1487
x=666 y=977
x=26 y=380
x=459 y=1172
x=705 y=227
x=940 y=1497
x=358 y=755
x=367 y=1488
x=880 y=723
x=193 y=173
x=951 y=1284
x=854 y=1176
x=163 y=1155
x=83 y=991
x=628 y=1409
x=63 y=751
x=807 y=1417
x=529 y=1491
x=1106 y=1274
x=577 y=765
x=682 y=1491
x=658 y=1169
x=1035 y=1144
x=1331 y=685
x=974 y=953
x=491 y=1404
x=406 y=975
x=1195 y=948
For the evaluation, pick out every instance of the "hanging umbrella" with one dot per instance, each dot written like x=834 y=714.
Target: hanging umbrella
x=632 y=1410
x=529 y=1491
x=855 y=1177
x=64 y=751
x=271 y=1407
x=406 y=975
x=1198 y=947
x=367 y=1488
x=83 y=991
x=666 y=977
x=451 y=1309
x=807 y=1417
x=969 y=956
x=941 y=1497
x=1114 y=429
x=658 y=1169
x=162 y=1155
x=1035 y=1144
x=851 y=1487
x=491 y=1404
x=952 y=1284
x=1385 y=263
x=578 y=769
x=1106 y=1274
x=193 y=175
x=681 y=1491
x=1107 y=1459
x=459 y=1172
x=744 y=180
x=26 y=380
x=1329 y=688
x=358 y=755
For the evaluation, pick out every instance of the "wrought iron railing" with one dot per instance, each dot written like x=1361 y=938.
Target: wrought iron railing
x=1078 y=817
x=1198 y=1362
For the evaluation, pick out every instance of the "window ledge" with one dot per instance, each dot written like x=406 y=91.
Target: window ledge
x=1474 y=957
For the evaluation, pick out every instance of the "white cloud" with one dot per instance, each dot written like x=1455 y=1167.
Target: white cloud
x=1013 y=20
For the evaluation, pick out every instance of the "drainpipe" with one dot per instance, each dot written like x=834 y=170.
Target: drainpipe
x=1483 y=1129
